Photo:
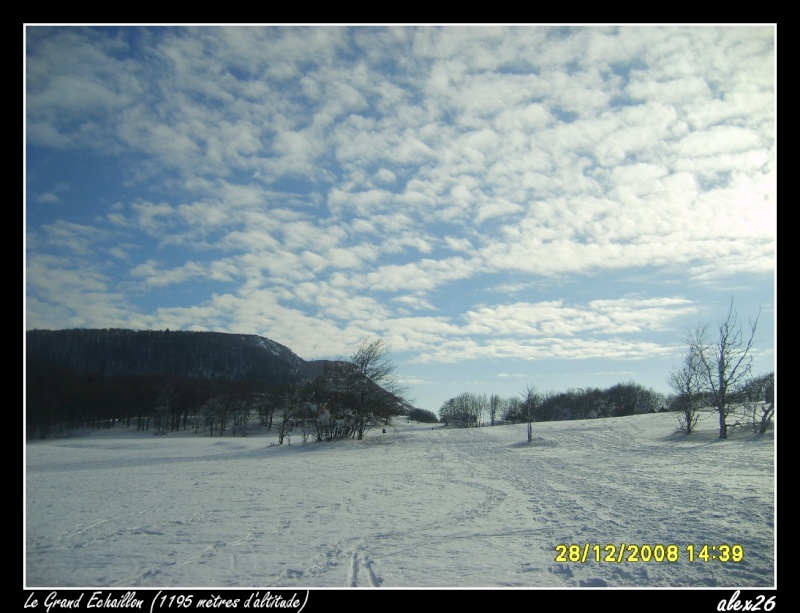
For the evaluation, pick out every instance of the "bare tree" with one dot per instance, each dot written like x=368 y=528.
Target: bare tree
x=531 y=400
x=266 y=405
x=768 y=408
x=373 y=387
x=725 y=362
x=758 y=402
x=294 y=402
x=494 y=408
x=687 y=383
x=480 y=407
x=511 y=410
x=243 y=416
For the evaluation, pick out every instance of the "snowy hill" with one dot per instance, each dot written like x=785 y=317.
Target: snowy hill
x=618 y=502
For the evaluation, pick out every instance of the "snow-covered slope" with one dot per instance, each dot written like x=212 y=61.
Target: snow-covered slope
x=418 y=506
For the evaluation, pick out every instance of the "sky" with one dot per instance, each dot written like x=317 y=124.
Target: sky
x=416 y=507
x=553 y=206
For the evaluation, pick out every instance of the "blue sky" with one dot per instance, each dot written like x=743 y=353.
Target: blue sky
x=506 y=206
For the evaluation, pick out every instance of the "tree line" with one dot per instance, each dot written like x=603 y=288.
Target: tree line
x=347 y=398
x=472 y=410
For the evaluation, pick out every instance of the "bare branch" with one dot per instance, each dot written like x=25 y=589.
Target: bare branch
x=724 y=364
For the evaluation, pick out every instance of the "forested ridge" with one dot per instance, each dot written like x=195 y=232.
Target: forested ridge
x=91 y=377
x=182 y=354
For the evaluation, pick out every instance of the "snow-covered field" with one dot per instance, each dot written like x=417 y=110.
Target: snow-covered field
x=415 y=507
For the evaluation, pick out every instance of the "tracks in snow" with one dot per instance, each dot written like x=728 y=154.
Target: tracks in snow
x=361 y=573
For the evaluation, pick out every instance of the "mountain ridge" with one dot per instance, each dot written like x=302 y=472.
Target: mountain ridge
x=115 y=352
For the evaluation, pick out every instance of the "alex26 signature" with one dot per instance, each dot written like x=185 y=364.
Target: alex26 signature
x=759 y=603
x=628 y=552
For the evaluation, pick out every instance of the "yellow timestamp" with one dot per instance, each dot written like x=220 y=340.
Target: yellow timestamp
x=630 y=552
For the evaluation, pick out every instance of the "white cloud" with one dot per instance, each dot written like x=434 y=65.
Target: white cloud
x=49 y=198
x=149 y=216
x=718 y=140
x=68 y=238
x=497 y=209
x=153 y=275
x=384 y=175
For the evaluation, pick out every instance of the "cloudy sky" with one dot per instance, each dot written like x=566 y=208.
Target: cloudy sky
x=506 y=206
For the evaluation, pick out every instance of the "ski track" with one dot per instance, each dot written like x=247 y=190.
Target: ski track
x=361 y=573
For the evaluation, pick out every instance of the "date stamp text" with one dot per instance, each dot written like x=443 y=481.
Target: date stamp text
x=631 y=552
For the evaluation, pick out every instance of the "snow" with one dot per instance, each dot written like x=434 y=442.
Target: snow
x=420 y=506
